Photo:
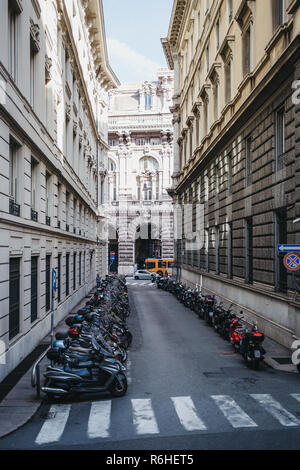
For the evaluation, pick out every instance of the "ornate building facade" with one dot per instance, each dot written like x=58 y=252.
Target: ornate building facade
x=140 y=165
x=54 y=83
x=236 y=133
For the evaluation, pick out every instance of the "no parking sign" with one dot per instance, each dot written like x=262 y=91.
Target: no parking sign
x=292 y=261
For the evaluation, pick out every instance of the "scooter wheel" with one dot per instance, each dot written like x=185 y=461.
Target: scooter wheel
x=118 y=387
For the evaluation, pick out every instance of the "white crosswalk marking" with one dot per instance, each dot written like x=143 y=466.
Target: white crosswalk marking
x=99 y=419
x=187 y=414
x=143 y=416
x=276 y=410
x=232 y=411
x=53 y=428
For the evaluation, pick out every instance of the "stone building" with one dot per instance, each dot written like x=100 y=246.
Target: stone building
x=54 y=82
x=140 y=165
x=237 y=133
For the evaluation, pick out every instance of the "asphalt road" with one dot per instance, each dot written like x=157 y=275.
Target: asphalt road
x=187 y=390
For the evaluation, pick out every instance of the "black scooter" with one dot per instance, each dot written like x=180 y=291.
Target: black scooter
x=74 y=378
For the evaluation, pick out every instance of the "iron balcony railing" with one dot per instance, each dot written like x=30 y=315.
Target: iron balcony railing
x=34 y=215
x=14 y=208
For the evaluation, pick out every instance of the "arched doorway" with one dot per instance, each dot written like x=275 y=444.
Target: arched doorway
x=113 y=250
x=147 y=244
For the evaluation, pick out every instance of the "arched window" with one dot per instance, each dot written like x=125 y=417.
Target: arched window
x=148 y=164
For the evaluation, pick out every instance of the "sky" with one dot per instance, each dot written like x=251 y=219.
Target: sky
x=133 y=31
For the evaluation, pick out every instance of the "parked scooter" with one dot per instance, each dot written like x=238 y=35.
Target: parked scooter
x=251 y=347
x=72 y=378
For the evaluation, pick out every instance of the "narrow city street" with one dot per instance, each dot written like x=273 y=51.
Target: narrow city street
x=187 y=390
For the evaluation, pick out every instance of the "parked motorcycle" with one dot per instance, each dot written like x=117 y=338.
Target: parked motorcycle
x=251 y=347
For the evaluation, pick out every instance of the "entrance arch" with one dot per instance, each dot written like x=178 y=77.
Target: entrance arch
x=147 y=244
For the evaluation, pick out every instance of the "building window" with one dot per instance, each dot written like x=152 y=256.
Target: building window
x=14 y=207
x=74 y=271
x=58 y=280
x=248 y=170
x=217 y=179
x=247 y=51
x=229 y=250
x=218 y=34
x=32 y=76
x=206 y=187
x=67 y=274
x=140 y=141
x=207 y=250
x=280 y=238
x=155 y=141
x=79 y=269
x=48 y=185
x=14 y=297
x=34 y=188
x=191 y=142
x=205 y=116
x=148 y=102
x=217 y=250
x=48 y=270
x=207 y=58
x=230 y=10
x=68 y=197
x=277 y=13
x=249 y=251
x=34 y=288
x=147 y=189
x=199 y=24
x=229 y=169
x=280 y=138
x=228 y=87
x=12 y=43
x=216 y=99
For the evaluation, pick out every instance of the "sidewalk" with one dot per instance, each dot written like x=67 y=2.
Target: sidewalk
x=21 y=403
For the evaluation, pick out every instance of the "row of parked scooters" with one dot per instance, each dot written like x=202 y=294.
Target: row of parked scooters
x=226 y=323
x=89 y=357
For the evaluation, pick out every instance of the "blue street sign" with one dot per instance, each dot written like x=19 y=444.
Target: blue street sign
x=287 y=248
x=54 y=280
x=112 y=258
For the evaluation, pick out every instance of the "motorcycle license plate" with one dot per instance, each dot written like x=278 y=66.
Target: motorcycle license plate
x=211 y=314
x=256 y=353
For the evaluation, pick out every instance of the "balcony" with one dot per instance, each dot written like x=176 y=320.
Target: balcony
x=34 y=215
x=58 y=224
x=67 y=227
x=74 y=230
x=14 y=208
x=48 y=220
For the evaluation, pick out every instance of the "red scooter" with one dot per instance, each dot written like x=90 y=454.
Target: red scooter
x=237 y=332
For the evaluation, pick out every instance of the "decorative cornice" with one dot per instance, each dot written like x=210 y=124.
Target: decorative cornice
x=176 y=20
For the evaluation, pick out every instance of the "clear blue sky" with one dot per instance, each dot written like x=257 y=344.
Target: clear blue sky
x=133 y=32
